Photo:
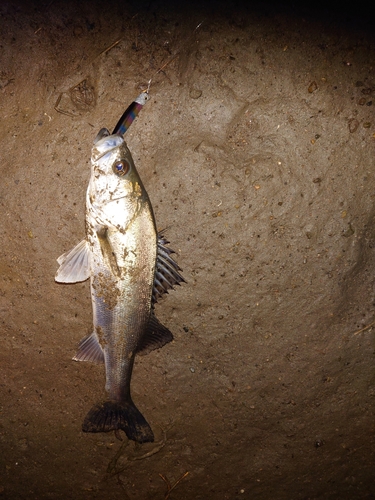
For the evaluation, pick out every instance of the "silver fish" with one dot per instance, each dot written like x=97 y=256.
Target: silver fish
x=130 y=267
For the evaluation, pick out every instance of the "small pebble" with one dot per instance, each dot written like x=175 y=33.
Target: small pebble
x=312 y=87
x=195 y=93
x=77 y=31
x=349 y=232
x=353 y=124
x=362 y=101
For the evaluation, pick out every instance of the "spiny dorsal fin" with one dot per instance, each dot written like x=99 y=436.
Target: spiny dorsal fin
x=167 y=270
x=155 y=336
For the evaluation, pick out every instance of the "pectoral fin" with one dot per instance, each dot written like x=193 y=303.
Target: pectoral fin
x=107 y=252
x=74 y=264
x=156 y=336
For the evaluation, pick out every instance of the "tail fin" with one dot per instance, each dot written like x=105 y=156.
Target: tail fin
x=111 y=415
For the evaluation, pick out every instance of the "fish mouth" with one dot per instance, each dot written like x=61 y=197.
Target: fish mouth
x=105 y=146
x=97 y=154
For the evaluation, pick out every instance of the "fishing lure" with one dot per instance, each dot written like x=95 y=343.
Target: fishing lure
x=127 y=118
x=131 y=113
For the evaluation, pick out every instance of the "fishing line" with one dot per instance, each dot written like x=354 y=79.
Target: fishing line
x=132 y=111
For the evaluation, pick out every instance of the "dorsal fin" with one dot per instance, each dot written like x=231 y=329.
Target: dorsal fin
x=167 y=270
x=156 y=335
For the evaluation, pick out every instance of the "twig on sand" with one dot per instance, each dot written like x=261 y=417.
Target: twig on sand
x=112 y=466
x=110 y=47
x=365 y=328
x=113 y=469
x=59 y=110
x=170 y=486
x=156 y=449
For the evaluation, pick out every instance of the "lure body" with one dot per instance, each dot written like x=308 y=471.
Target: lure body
x=130 y=114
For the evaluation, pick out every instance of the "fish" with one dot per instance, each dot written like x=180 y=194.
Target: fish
x=130 y=267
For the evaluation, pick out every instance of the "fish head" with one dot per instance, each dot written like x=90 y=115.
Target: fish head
x=115 y=186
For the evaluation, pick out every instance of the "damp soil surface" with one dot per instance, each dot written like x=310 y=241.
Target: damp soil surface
x=257 y=151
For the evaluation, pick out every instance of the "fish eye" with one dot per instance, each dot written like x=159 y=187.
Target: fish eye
x=121 y=167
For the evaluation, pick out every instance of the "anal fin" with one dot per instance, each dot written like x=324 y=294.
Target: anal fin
x=89 y=349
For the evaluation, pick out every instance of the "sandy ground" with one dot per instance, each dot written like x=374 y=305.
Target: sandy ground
x=257 y=150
